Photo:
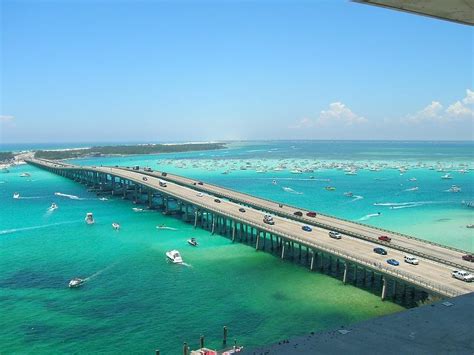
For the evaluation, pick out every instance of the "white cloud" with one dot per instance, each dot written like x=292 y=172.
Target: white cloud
x=303 y=123
x=339 y=113
x=432 y=112
x=459 y=110
x=6 y=118
x=435 y=112
x=469 y=99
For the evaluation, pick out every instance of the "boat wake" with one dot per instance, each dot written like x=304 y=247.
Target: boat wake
x=412 y=189
x=17 y=230
x=186 y=264
x=72 y=197
x=93 y=276
x=290 y=190
x=355 y=198
x=366 y=217
x=166 y=228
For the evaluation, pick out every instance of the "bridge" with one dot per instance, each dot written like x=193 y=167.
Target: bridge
x=351 y=258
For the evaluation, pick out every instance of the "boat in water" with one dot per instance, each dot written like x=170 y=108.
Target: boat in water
x=454 y=188
x=330 y=188
x=470 y=226
x=193 y=242
x=76 y=282
x=116 y=226
x=53 y=206
x=446 y=177
x=89 y=218
x=136 y=209
x=16 y=195
x=174 y=256
x=348 y=194
x=25 y=175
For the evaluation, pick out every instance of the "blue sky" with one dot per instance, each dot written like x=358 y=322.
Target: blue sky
x=107 y=70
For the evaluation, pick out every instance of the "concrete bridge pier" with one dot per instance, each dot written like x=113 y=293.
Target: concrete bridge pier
x=384 y=289
x=312 y=261
x=344 y=278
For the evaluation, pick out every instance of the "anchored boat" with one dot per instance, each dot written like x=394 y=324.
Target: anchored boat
x=89 y=218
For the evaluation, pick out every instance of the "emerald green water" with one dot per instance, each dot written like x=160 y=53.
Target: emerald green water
x=136 y=302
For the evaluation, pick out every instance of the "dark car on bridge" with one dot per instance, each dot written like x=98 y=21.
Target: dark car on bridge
x=216 y=200
x=241 y=209
x=380 y=251
x=306 y=228
x=298 y=213
x=200 y=183
x=468 y=257
x=393 y=262
x=163 y=174
x=311 y=214
x=384 y=238
x=144 y=178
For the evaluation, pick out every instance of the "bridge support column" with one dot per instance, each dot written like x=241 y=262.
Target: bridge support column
x=394 y=291
x=312 y=261
x=257 y=244
x=233 y=230
x=213 y=224
x=355 y=274
x=384 y=289
x=344 y=278
x=150 y=199
x=195 y=218
x=283 y=251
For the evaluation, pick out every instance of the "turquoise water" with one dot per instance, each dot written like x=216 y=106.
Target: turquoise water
x=134 y=301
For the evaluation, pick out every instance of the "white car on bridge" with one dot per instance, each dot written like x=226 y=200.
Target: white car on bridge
x=463 y=275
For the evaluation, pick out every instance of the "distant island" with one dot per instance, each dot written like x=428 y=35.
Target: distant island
x=126 y=150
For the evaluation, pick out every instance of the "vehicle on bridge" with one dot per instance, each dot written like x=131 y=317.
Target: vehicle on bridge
x=162 y=183
x=136 y=167
x=335 y=235
x=384 y=238
x=306 y=228
x=144 y=178
x=468 y=257
x=268 y=219
x=393 y=262
x=199 y=194
x=163 y=174
x=409 y=259
x=462 y=275
x=216 y=200
x=380 y=251
x=241 y=209
x=311 y=214
x=298 y=213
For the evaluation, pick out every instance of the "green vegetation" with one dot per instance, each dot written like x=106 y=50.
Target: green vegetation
x=126 y=150
x=6 y=156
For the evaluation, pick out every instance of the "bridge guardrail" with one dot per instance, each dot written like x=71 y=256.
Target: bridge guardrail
x=359 y=235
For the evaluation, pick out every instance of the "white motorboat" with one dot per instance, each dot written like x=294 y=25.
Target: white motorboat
x=348 y=194
x=116 y=226
x=193 y=242
x=470 y=226
x=412 y=179
x=89 y=218
x=454 y=188
x=53 y=206
x=174 y=256
x=136 y=209
x=76 y=282
x=103 y=199
x=446 y=177
x=25 y=175
x=16 y=195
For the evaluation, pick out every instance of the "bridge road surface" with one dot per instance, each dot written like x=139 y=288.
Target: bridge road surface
x=405 y=243
x=429 y=274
